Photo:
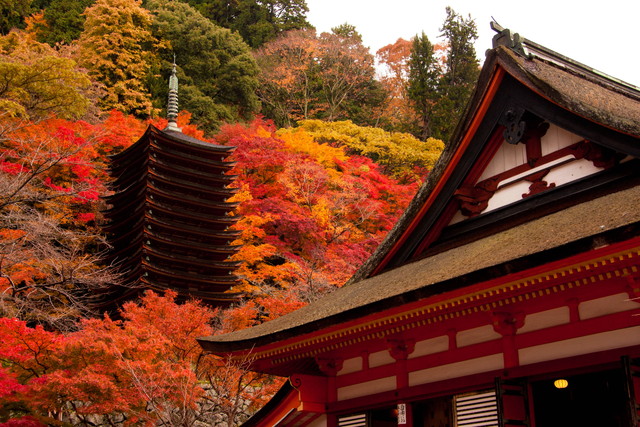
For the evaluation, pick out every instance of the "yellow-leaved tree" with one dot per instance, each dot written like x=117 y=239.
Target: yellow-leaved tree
x=116 y=46
x=38 y=81
x=401 y=154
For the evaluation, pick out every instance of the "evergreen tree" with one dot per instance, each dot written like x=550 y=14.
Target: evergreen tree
x=217 y=72
x=115 y=46
x=65 y=21
x=422 y=87
x=12 y=14
x=460 y=74
x=439 y=90
x=257 y=21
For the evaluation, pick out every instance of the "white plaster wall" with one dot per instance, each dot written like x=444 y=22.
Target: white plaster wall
x=581 y=345
x=606 y=305
x=351 y=365
x=557 y=138
x=457 y=370
x=507 y=157
x=476 y=335
x=380 y=358
x=367 y=388
x=545 y=319
x=508 y=194
x=430 y=346
x=571 y=171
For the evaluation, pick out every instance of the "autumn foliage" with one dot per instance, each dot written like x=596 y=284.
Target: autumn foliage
x=311 y=213
x=142 y=370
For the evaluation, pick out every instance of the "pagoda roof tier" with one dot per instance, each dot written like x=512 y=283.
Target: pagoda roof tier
x=199 y=215
x=136 y=154
x=126 y=182
x=214 y=235
x=186 y=268
x=123 y=225
x=190 y=160
x=199 y=246
x=191 y=260
x=189 y=279
x=185 y=141
x=188 y=240
x=181 y=198
x=184 y=248
x=189 y=173
x=217 y=298
x=192 y=186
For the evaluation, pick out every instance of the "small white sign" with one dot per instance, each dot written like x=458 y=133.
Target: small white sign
x=402 y=413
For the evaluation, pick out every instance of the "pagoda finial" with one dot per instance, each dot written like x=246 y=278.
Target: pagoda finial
x=172 y=107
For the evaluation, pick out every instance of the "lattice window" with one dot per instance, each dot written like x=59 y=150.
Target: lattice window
x=476 y=410
x=359 y=420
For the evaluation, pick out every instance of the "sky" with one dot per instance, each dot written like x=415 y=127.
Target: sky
x=604 y=35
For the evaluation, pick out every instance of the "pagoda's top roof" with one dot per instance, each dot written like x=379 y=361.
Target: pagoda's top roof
x=185 y=141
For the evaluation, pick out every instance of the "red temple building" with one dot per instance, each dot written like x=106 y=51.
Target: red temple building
x=509 y=292
x=169 y=215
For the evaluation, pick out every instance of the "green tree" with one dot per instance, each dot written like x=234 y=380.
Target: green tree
x=440 y=87
x=64 y=21
x=217 y=72
x=115 y=46
x=422 y=87
x=12 y=14
x=460 y=73
x=257 y=21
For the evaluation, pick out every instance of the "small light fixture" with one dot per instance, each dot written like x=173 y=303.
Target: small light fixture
x=561 y=383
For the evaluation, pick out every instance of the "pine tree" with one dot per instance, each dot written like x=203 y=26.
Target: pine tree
x=460 y=74
x=422 y=88
x=439 y=89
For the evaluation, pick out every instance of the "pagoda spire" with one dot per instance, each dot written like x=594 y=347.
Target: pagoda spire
x=172 y=106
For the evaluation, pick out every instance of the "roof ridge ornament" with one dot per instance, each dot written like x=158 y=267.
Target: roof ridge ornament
x=172 y=106
x=504 y=38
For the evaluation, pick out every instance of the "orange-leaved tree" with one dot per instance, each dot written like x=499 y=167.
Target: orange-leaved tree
x=51 y=175
x=146 y=369
x=310 y=213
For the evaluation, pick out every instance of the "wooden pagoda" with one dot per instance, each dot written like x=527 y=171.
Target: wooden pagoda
x=168 y=220
x=509 y=292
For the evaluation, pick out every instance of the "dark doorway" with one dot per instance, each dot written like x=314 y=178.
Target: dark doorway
x=595 y=399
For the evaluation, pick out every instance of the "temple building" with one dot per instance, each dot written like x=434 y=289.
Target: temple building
x=509 y=292
x=169 y=216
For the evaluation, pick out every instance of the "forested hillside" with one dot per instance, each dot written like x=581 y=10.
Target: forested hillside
x=332 y=143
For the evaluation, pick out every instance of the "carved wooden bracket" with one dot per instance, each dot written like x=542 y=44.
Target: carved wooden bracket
x=329 y=366
x=475 y=199
x=537 y=184
x=506 y=323
x=400 y=349
x=601 y=157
